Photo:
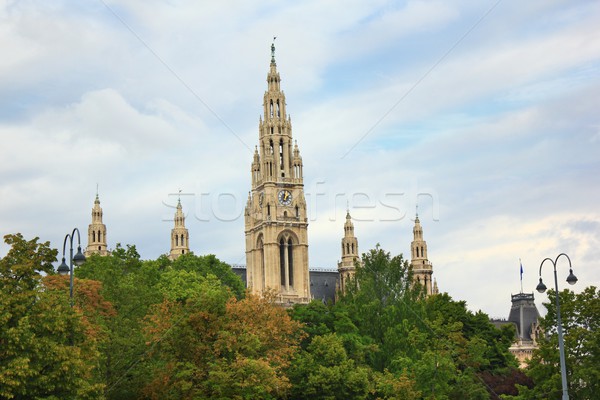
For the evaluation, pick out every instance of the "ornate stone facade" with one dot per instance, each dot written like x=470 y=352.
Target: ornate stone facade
x=275 y=216
x=96 y=232
x=180 y=238
x=350 y=254
x=421 y=266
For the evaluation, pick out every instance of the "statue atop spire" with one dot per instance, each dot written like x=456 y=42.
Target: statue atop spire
x=273 y=50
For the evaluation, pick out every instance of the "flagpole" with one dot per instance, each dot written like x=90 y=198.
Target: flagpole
x=521 y=265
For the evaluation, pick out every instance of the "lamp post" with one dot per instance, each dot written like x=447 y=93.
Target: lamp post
x=78 y=259
x=571 y=280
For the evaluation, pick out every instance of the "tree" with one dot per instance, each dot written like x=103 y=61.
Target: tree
x=129 y=284
x=210 y=264
x=46 y=350
x=324 y=371
x=213 y=345
x=580 y=315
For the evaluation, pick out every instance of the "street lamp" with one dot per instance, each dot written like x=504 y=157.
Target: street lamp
x=78 y=259
x=571 y=280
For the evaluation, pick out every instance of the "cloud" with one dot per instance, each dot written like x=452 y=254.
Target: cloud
x=503 y=133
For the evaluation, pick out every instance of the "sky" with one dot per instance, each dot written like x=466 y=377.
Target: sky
x=484 y=114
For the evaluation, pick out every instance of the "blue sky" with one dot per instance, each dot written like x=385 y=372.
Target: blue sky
x=486 y=112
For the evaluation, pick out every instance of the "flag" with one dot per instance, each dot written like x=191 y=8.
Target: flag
x=521 y=264
x=521 y=269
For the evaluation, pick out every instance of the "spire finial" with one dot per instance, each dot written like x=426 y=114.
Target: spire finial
x=179 y=199
x=273 y=50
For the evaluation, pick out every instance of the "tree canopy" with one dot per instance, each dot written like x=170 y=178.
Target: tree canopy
x=163 y=329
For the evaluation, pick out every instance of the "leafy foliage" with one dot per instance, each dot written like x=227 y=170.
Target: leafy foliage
x=580 y=315
x=163 y=329
x=214 y=345
x=46 y=349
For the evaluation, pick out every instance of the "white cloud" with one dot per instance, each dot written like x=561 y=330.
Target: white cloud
x=503 y=132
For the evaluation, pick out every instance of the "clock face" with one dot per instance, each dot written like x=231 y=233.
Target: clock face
x=285 y=197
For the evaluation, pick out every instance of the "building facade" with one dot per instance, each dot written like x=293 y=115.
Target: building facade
x=96 y=232
x=524 y=316
x=180 y=237
x=350 y=255
x=276 y=223
x=421 y=266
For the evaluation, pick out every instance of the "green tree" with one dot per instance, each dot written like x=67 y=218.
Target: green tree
x=580 y=315
x=211 y=265
x=45 y=349
x=212 y=345
x=324 y=371
x=129 y=284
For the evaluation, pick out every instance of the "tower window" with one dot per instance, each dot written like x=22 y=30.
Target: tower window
x=282 y=261
x=281 y=164
x=291 y=262
x=271 y=108
x=93 y=236
x=297 y=212
x=268 y=209
x=176 y=240
x=278 y=112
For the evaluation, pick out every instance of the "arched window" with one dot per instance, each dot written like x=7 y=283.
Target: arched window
x=422 y=253
x=182 y=242
x=271 y=109
x=352 y=248
x=278 y=112
x=176 y=240
x=291 y=261
x=297 y=212
x=99 y=248
x=261 y=254
x=347 y=248
x=417 y=251
x=282 y=260
x=281 y=164
x=268 y=210
x=93 y=236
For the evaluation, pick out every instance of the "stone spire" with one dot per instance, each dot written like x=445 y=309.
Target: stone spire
x=179 y=234
x=347 y=267
x=96 y=232
x=421 y=267
x=275 y=216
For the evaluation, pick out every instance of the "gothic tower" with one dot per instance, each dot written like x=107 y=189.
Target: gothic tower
x=421 y=267
x=275 y=217
x=350 y=257
x=179 y=235
x=96 y=232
